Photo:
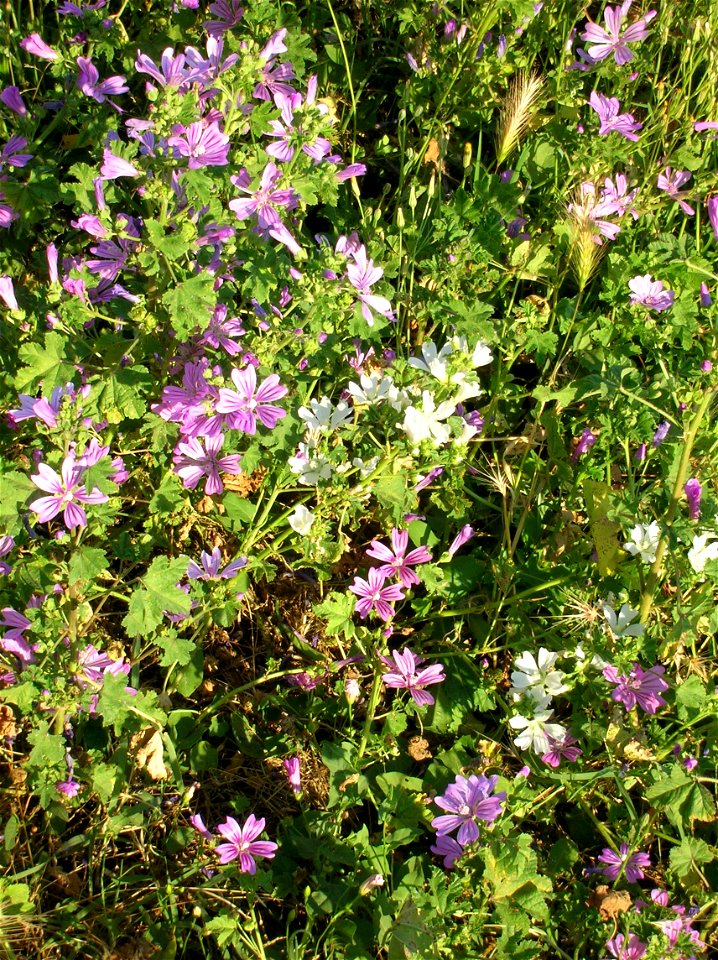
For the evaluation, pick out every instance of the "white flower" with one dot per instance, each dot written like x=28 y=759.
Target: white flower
x=433 y=362
x=702 y=551
x=536 y=731
x=301 y=520
x=620 y=623
x=481 y=356
x=323 y=416
x=366 y=467
x=538 y=680
x=310 y=465
x=425 y=423
x=598 y=663
x=372 y=389
x=644 y=540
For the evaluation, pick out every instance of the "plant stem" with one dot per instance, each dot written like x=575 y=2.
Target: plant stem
x=370 y=712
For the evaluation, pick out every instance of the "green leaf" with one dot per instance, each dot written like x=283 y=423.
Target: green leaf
x=337 y=610
x=172 y=245
x=46 y=363
x=191 y=675
x=690 y=697
x=689 y=857
x=239 y=510
x=116 y=704
x=15 y=488
x=158 y=593
x=86 y=563
x=121 y=396
x=682 y=798
x=512 y=871
x=190 y=304
x=175 y=650
x=395 y=495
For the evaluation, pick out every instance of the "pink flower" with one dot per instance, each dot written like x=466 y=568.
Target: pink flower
x=611 y=40
x=651 y=293
x=114 y=167
x=35 y=45
x=362 y=275
x=398 y=563
x=87 y=82
x=632 y=867
x=68 y=788
x=611 y=120
x=405 y=675
x=193 y=461
x=7 y=293
x=693 y=492
x=65 y=491
x=638 y=687
x=250 y=403
x=198 y=823
x=243 y=843
x=626 y=949
x=204 y=144
x=467 y=801
x=712 y=208
x=670 y=182
x=462 y=537
x=561 y=750
x=293 y=772
x=375 y=596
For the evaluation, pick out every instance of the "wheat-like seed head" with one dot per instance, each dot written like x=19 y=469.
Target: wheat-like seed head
x=516 y=113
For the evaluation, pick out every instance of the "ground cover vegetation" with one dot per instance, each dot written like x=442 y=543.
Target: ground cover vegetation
x=358 y=517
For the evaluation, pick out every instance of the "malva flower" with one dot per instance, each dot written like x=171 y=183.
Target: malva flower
x=228 y=13
x=670 y=181
x=373 y=595
x=462 y=537
x=35 y=45
x=626 y=948
x=631 y=866
x=397 y=562
x=712 y=210
x=448 y=848
x=644 y=541
x=243 y=843
x=293 y=772
x=537 y=732
x=7 y=293
x=704 y=549
x=693 y=492
x=12 y=98
x=467 y=801
x=11 y=156
x=610 y=40
x=583 y=445
x=114 y=167
x=651 y=293
x=362 y=275
x=611 y=120
x=193 y=461
x=561 y=750
x=405 y=673
x=661 y=433
x=209 y=564
x=172 y=72
x=621 y=624
x=87 y=82
x=537 y=679
x=65 y=490
x=203 y=143
x=638 y=687
x=250 y=403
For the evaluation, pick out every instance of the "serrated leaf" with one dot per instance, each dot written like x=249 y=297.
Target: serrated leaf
x=44 y=363
x=86 y=563
x=159 y=593
x=682 y=798
x=190 y=304
x=687 y=858
x=120 y=396
x=175 y=650
x=172 y=245
x=338 y=610
x=15 y=488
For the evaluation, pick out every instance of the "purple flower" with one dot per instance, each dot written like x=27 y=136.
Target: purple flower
x=193 y=461
x=671 y=181
x=706 y=299
x=448 y=848
x=263 y=202
x=292 y=770
x=623 y=948
x=693 y=492
x=68 y=788
x=561 y=750
x=610 y=40
x=638 y=687
x=7 y=293
x=584 y=444
x=615 y=863
x=114 y=167
x=398 y=563
x=617 y=193
x=661 y=433
x=87 y=82
x=6 y=545
x=462 y=537
x=650 y=293
x=172 y=72
x=712 y=208
x=611 y=120
x=35 y=45
x=228 y=13
x=65 y=491
x=468 y=801
x=12 y=99
x=243 y=843
x=204 y=144
x=362 y=275
x=404 y=674
x=199 y=825
x=209 y=564
x=10 y=155
x=250 y=403
x=375 y=596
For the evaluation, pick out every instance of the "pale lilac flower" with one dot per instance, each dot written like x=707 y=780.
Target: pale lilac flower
x=199 y=825
x=610 y=40
x=632 y=866
x=222 y=331
x=12 y=99
x=51 y=257
x=286 y=131
x=706 y=299
x=537 y=678
x=6 y=545
x=208 y=567
x=703 y=551
x=193 y=461
x=611 y=120
x=404 y=674
x=712 y=209
x=371 y=883
x=621 y=624
x=324 y=417
x=448 y=848
x=65 y=490
x=228 y=14
x=7 y=293
x=650 y=293
x=243 y=843
x=590 y=210
x=626 y=948
x=537 y=733
x=114 y=167
x=397 y=562
x=203 y=143
x=462 y=537
x=561 y=750
x=363 y=275
x=293 y=772
x=700 y=125
x=250 y=403
x=35 y=45
x=172 y=72
x=661 y=433
x=375 y=596
x=585 y=442
x=301 y=520
x=693 y=492
x=660 y=897
x=87 y=82
x=670 y=181
x=467 y=801
x=263 y=203
x=617 y=193
x=68 y=788
x=638 y=687
x=10 y=154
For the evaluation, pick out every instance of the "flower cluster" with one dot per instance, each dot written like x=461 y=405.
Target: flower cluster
x=397 y=563
x=467 y=801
